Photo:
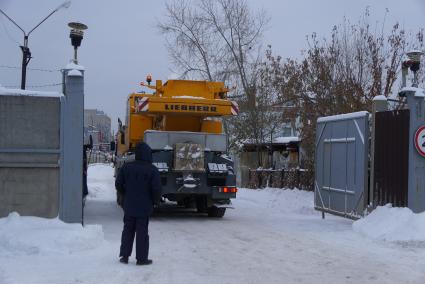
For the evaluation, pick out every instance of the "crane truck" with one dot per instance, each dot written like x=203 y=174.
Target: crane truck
x=181 y=122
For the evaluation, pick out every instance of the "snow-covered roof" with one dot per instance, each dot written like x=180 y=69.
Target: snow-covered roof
x=19 y=92
x=277 y=140
x=72 y=65
x=287 y=139
x=344 y=116
x=75 y=73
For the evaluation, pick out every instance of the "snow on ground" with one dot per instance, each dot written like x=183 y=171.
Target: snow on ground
x=393 y=225
x=38 y=236
x=273 y=236
x=101 y=182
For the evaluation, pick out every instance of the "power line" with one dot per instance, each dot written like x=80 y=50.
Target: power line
x=33 y=69
x=9 y=36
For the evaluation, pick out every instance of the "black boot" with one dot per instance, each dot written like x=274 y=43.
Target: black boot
x=124 y=259
x=144 y=262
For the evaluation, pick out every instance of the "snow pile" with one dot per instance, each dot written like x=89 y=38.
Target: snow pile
x=101 y=182
x=40 y=236
x=393 y=225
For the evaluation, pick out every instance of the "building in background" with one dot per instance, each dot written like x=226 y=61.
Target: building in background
x=98 y=124
x=276 y=159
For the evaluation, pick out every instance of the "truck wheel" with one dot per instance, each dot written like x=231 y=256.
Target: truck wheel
x=216 y=212
x=201 y=204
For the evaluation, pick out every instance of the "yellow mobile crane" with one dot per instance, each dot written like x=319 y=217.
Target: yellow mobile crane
x=181 y=122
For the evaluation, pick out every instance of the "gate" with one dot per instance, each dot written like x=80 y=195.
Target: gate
x=341 y=175
x=391 y=158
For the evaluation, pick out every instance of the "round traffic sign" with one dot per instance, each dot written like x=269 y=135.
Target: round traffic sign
x=420 y=140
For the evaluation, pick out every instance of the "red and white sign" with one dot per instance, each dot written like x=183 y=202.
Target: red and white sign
x=420 y=140
x=235 y=108
x=141 y=104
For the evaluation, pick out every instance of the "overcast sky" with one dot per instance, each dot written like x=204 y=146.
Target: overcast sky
x=122 y=44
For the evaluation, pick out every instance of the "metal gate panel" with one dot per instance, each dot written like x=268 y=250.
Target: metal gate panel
x=341 y=173
x=391 y=158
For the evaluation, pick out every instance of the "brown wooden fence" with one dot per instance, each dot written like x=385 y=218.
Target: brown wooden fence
x=391 y=158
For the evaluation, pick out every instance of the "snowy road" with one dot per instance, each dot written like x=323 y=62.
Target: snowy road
x=273 y=236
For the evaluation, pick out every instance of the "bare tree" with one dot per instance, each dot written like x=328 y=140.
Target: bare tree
x=240 y=32
x=215 y=40
x=190 y=41
x=220 y=40
x=339 y=74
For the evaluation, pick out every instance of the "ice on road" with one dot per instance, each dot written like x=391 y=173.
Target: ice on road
x=272 y=236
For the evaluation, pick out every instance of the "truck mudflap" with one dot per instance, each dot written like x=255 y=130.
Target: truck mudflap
x=221 y=205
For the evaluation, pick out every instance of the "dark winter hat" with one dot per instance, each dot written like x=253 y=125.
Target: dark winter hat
x=143 y=152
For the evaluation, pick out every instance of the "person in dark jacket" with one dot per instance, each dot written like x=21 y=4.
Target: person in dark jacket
x=86 y=147
x=85 y=167
x=140 y=185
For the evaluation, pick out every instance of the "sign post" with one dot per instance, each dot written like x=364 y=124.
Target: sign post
x=416 y=189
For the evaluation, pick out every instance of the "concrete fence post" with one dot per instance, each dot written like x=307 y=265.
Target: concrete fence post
x=416 y=189
x=71 y=205
x=379 y=103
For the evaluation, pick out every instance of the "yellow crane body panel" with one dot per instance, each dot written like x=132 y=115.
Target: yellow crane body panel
x=178 y=105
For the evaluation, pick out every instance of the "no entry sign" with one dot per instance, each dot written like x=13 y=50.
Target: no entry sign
x=420 y=140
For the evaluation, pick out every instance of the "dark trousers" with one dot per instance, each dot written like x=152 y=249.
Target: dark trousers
x=135 y=226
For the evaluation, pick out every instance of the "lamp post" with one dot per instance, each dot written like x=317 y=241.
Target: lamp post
x=26 y=53
x=76 y=36
x=415 y=59
x=413 y=62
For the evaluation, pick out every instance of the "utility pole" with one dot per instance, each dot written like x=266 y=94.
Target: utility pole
x=26 y=57
x=26 y=53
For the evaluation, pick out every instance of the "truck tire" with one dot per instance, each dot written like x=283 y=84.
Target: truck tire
x=216 y=212
x=201 y=204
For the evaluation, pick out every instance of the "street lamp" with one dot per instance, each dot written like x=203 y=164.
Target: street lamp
x=76 y=36
x=415 y=61
x=26 y=53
